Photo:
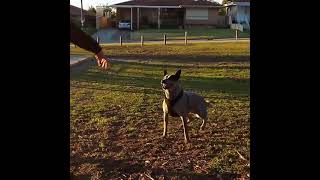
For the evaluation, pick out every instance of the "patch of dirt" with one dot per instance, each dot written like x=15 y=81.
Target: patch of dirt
x=124 y=157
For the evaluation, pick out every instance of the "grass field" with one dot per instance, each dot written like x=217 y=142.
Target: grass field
x=224 y=51
x=195 y=33
x=116 y=121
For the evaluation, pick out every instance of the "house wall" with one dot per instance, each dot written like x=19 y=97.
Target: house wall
x=172 y=17
x=89 y=20
x=148 y=16
x=76 y=19
x=123 y=14
x=214 y=19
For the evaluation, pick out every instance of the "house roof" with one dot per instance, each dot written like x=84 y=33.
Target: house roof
x=169 y=3
x=77 y=11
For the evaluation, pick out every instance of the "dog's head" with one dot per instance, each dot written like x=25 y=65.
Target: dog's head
x=170 y=82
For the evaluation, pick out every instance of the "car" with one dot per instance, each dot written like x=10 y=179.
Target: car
x=124 y=24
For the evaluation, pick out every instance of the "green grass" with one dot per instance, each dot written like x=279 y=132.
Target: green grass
x=204 y=33
x=116 y=120
x=195 y=51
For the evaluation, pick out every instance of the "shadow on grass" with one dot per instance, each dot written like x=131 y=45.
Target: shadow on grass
x=140 y=79
x=183 y=58
x=110 y=166
x=178 y=63
x=194 y=176
x=223 y=85
x=118 y=168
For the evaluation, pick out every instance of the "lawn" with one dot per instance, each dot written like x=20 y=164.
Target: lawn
x=116 y=119
x=204 y=33
x=213 y=51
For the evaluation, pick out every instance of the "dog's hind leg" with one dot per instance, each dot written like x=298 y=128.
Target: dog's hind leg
x=190 y=118
x=204 y=116
x=185 y=128
x=204 y=121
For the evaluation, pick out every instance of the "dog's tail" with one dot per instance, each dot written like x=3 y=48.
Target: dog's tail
x=208 y=104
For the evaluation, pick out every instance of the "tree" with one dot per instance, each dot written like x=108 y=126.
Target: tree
x=107 y=9
x=226 y=1
x=92 y=9
x=222 y=12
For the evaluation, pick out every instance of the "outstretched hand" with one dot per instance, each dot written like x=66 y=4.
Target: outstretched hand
x=102 y=60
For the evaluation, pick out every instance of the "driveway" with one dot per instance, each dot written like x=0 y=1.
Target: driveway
x=112 y=35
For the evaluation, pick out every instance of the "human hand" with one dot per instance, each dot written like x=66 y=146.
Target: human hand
x=102 y=61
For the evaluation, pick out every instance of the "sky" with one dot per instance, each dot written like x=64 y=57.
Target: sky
x=94 y=3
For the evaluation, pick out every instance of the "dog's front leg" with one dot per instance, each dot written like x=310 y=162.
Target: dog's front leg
x=185 y=128
x=165 y=124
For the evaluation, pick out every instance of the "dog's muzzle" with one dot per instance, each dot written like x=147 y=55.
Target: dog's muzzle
x=165 y=86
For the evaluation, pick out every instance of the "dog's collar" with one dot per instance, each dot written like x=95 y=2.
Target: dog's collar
x=175 y=100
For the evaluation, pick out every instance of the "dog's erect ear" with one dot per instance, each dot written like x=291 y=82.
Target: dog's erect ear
x=178 y=73
x=165 y=72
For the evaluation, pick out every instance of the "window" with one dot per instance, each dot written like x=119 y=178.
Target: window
x=197 y=14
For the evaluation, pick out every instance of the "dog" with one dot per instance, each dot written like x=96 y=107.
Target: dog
x=178 y=103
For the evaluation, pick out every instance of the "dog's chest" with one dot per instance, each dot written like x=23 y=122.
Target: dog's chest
x=169 y=108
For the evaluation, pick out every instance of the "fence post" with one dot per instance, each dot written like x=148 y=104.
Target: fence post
x=165 y=39
x=185 y=38
x=141 y=40
x=120 y=40
x=236 y=34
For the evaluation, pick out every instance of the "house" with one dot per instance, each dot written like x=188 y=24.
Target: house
x=103 y=18
x=239 y=12
x=89 y=17
x=170 y=13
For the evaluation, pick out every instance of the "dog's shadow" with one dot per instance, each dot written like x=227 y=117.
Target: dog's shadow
x=110 y=166
x=174 y=174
